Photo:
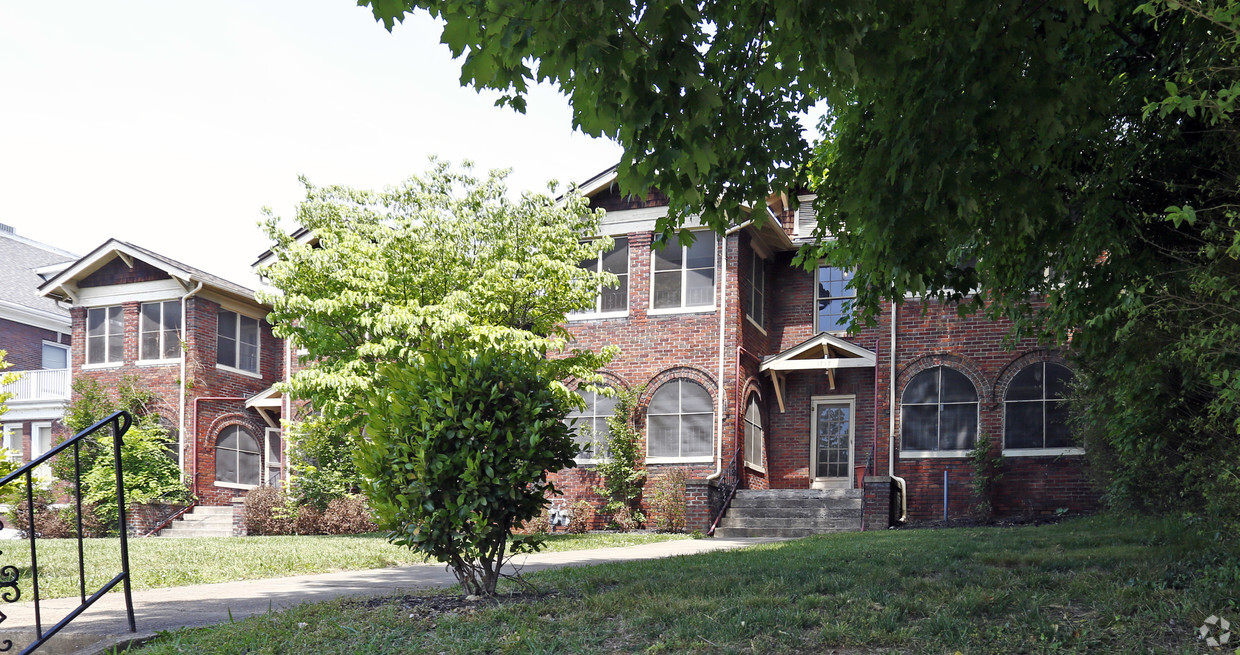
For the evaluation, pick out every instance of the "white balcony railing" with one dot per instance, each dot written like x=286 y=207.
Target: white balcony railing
x=51 y=384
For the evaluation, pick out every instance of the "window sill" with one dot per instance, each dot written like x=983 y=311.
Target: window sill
x=679 y=460
x=754 y=467
x=1042 y=452
x=704 y=309
x=755 y=324
x=595 y=316
x=934 y=454
x=158 y=362
x=238 y=371
x=95 y=367
x=234 y=485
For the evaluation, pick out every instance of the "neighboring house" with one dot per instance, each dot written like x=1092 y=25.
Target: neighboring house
x=749 y=371
x=35 y=333
x=200 y=342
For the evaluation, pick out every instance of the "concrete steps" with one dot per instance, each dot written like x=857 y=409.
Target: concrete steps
x=201 y=521
x=791 y=513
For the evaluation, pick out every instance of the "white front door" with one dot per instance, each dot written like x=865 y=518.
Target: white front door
x=831 y=442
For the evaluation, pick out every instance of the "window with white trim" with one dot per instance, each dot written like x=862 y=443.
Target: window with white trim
x=1035 y=414
x=13 y=442
x=615 y=261
x=237 y=344
x=236 y=457
x=41 y=442
x=757 y=289
x=938 y=412
x=105 y=335
x=684 y=276
x=833 y=299
x=754 y=435
x=159 y=331
x=680 y=423
x=590 y=430
x=55 y=356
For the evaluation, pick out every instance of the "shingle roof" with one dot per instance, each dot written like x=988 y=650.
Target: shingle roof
x=19 y=257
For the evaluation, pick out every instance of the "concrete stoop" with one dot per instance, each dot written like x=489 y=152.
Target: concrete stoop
x=784 y=513
x=202 y=521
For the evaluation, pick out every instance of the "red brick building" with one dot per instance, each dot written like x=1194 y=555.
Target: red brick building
x=34 y=332
x=200 y=342
x=751 y=377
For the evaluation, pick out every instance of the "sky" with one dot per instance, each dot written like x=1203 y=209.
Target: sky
x=171 y=124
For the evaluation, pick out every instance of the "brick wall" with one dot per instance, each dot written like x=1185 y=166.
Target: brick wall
x=24 y=344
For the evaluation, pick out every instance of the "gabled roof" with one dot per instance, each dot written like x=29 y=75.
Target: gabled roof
x=63 y=286
x=821 y=352
x=21 y=261
x=300 y=235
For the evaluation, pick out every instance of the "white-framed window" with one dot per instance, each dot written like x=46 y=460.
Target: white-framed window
x=273 y=455
x=611 y=300
x=105 y=335
x=590 y=428
x=684 y=276
x=833 y=299
x=41 y=442
x=680 y=423
x=938 y=413
x=237 y=343
x=754 y=435
x=757 y=290
x=13 y=442
x=159 y=331
x=1035 y=412
x=236 y=458
x=55 y=356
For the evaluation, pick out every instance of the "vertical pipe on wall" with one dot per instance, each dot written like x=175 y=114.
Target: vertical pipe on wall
x=723 y=316
x=945 y=493
x=182 y=390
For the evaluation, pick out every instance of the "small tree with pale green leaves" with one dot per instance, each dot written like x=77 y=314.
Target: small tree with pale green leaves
x=621 y=468
x=432 y=314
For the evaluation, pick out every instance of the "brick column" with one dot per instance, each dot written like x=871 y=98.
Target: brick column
x=697 y=504
x=877 y=513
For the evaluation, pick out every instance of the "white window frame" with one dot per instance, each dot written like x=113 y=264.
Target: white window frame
x=44 y=472
x=761 y=430
x=1036 y=452
x=107 y=335
x=684 y=274
x=692 y=459
x=11 y=432
x=162 y=332
x=58 y=346
x=597 y=312
x=592 y=414
x=837 y=329
x=757 y=293
x=937 y=454
x=258 y=345
x=270 y=455
x=851 y=401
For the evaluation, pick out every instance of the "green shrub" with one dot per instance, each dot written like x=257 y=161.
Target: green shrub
x=320 y=459
x=150 y=472
x=263 y=512
x=457 y=452
x=622 y=469
x=669 y=501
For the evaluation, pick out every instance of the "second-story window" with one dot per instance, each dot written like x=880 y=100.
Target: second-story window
x=160 y=331
x=237 y=345
x=757 y=290
x=616 y=262
x=105 y=335
x=684 y=276
x=834 y=299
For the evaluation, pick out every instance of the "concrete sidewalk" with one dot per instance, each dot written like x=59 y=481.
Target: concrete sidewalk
x=104 y=625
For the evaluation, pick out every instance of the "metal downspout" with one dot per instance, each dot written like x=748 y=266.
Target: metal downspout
x=891 y=425
x=182 y=390
x=723 y=315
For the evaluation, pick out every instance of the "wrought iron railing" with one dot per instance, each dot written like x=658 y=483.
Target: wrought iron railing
x=120 y=423
x=729 y=480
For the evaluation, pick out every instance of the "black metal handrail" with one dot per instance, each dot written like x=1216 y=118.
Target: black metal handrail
x=120 y=423
x=729 y=480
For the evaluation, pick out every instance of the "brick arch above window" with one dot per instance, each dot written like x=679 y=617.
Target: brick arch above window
x=680 y=371
x=610 y=379
x=964 y=365
x=1014 y=367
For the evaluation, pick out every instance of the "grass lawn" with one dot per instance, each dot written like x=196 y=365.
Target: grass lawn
x=177 y=562
x=1122 y=585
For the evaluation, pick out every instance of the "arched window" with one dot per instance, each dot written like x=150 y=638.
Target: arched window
x=754 y=435
x=1034 y=411
x=680 y=423
x=236 y=457
x=591 y=426
x=939 y=412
